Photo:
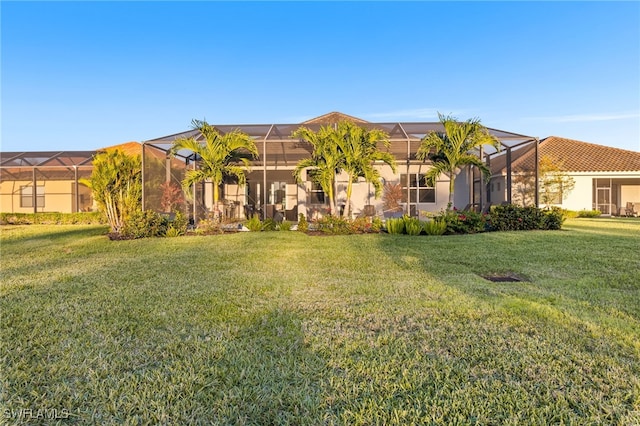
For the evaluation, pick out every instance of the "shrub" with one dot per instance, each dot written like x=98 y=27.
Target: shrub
x=285 y=226
x=516 y=218
x=209 y=225
x=589 y=213
x=359 y=225
x=552 y=219
x=143 y=224
x=180 y=224
x=569 y=214
x=333 y=225
x=412 y=225
x=303 y=225
x=254 y=224
x=172 y=232
x=376 y=224
x=395 y=225
x=464 y=222
x=269 y=224
x=88 y=218
x=435 y=227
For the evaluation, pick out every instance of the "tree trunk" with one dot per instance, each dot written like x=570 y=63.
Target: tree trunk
x=347 y=207
x=451 y=188
x=216 y=198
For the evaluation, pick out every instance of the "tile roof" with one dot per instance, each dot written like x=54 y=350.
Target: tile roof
x=334 y=117
x=129 y=148
x=573 y=156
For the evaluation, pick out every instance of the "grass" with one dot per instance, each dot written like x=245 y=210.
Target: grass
x=284 y=328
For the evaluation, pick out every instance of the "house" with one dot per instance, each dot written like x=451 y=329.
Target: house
x=56 y=177
x=272 y=189
x=603 y=178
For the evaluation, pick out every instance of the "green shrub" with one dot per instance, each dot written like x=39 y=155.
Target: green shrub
x=435 y=227
x=569 y=214
x=180 y=223
x=269 y=224
x=376 y=224
x=517 y=218
x=412 y=225
x=209 y=226
x=589 y=213
x=85 y=218
x=285 y=226
x=172 y=232
x=464 y=222
x=395 y=225
x=303 y=225
x=552 y=219
x=144 y=224
x=254 y=224
x=336 y=225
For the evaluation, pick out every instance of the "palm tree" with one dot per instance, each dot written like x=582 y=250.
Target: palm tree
x=218 y=156
x=116 y=184
x=359 y=148
x=325 y=162
x=454 y=148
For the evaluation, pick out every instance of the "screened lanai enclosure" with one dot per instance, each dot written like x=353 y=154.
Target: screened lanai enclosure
x=36 y=182
x=272 y=192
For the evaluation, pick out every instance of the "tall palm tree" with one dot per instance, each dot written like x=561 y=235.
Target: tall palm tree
x=359 y=148
x=325 y=162
x=453 y=148
x=218 y=156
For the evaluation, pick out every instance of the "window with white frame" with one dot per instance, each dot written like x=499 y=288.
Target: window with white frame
x=415 y=185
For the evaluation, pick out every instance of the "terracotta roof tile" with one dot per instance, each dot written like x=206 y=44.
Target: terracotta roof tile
x=334 y=117
x=573 y=156
x=130 y=148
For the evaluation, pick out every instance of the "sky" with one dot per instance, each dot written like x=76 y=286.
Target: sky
x=86 y=75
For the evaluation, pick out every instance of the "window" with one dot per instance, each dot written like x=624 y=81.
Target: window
x=316 y=194
x=419 y=192
x=26 y=196
x=277 y=192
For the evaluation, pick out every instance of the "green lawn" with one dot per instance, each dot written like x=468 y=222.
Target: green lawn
x=284 y=328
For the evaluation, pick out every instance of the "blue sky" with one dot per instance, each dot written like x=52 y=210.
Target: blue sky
x=84 y=75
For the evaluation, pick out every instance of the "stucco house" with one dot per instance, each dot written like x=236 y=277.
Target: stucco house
x=604 y=178
x=56 y=177
x=271 y=187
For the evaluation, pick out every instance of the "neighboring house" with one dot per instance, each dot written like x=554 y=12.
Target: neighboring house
x=55 y=176
x=604 y=178
x=271 y=187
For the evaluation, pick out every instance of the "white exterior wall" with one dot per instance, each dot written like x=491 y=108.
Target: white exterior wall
x=581 y=197
x=625 y=188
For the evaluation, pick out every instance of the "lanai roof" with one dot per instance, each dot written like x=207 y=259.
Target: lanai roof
x=46 y=158
x=397 y=131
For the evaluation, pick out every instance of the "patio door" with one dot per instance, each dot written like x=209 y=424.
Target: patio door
x=603 y=199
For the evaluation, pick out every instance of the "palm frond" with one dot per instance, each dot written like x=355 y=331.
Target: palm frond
x=434 y=172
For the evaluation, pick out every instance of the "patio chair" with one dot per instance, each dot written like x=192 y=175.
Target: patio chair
x=629 y=210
